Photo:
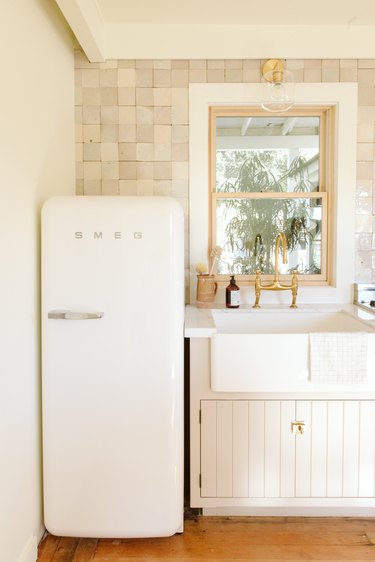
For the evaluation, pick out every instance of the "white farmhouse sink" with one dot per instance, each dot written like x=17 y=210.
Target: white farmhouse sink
x=268 y=350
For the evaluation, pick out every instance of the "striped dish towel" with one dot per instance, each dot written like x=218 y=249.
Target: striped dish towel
x=338 y=357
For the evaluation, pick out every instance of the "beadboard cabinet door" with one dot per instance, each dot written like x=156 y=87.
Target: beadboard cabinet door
x=249 y=449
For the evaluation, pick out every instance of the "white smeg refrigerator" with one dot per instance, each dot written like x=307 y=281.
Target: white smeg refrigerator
x=112 y=366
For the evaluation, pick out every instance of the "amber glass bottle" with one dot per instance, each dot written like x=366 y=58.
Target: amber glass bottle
x=232 y=294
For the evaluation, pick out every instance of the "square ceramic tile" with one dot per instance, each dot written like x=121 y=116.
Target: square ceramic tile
x=162 y=78
x=180 y=188
x=181 y=64
x=215 y=75
x=91 y=96
x=366 y=95
x=128 y=170
x=127 y=151
x=330 y=75
x=108 y=96
x=110 y=170
x=92 y=187
x=197 y=64
x=145 y=133
x=110 y=187
x=144 y=96
x=109 y=115
x=108 y=64
x=348 y=63
x=365 y=170
x=163 y=170
x=91 y=151
x=91 y=133
x=79 y=187
x=313 y=74
x=145 y=151
x=180 y=97
x=126 y=63
x=90 y=78
x=366 y=132
x=233 y=75
x=332 y=64
x=180 y=133
x=366 y=63
x=366 y=77
x=126 y=96
x=162 y=115
x=197 y=75
x=145 y=115
x=145 y=187
x=144 y=63
x=92 y=170
x=162 y=152
x=348 y=74
x=162 y=133
x=180 y=170
x=180 y=152
x=180 y=115
x=127 y=133
x=128 y=187
x=144 y=78
x=162 y=96
x=126 y=77
x=109 y=151
x=109 y=133
x=91 y=114
x=365 y=151
x=127 y=115
x=163 y=64
x=216 y=64
x=145 y=170
x=108 y=77
x=179 y=78
x=163 y=187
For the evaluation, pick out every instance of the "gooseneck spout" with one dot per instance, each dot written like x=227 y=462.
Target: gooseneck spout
x=279 y=238
x=276 y=285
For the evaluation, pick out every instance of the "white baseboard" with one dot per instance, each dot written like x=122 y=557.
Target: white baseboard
x=30 y=551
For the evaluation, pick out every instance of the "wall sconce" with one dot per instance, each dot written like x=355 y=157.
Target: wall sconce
x=277 y=86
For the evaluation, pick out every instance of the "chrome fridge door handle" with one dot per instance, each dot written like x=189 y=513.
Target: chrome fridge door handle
x=69 y=315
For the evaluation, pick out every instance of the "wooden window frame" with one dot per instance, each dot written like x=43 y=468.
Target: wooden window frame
x=326 y=114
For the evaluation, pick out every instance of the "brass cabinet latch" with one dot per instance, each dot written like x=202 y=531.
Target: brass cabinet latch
x=298 y=427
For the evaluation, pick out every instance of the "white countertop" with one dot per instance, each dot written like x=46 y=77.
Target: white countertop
x=199 y=322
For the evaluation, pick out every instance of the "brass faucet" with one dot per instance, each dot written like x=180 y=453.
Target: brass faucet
x=276 y=285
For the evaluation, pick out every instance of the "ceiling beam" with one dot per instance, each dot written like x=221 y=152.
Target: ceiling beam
x=86 y=22
x=245 y=125
x=288 y=125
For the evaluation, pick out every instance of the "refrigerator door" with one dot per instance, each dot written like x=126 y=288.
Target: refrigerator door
x=112 y=355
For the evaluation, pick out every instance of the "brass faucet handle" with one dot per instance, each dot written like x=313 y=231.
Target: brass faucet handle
x=257 y=289
x=294 y=287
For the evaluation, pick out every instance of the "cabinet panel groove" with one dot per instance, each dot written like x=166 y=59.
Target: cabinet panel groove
x=249 y=451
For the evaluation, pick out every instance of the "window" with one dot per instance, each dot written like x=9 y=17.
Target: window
x=271 y=173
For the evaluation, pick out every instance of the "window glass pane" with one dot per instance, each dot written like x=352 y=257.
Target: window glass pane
x=262 y=154
x=247 y=229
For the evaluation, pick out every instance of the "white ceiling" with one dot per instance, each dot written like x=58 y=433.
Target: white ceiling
x=251 y=12
x=222 y=29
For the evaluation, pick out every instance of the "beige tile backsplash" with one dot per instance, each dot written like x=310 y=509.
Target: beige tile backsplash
x=132 y=128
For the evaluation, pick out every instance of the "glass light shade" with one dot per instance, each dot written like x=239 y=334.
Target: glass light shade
x=277 y=90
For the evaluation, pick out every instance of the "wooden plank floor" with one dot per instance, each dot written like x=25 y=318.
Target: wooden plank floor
x=224 y=539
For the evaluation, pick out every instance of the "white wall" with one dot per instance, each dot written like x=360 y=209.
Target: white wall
x=36 y=162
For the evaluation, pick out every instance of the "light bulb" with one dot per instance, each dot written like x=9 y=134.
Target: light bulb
x=279 y=92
